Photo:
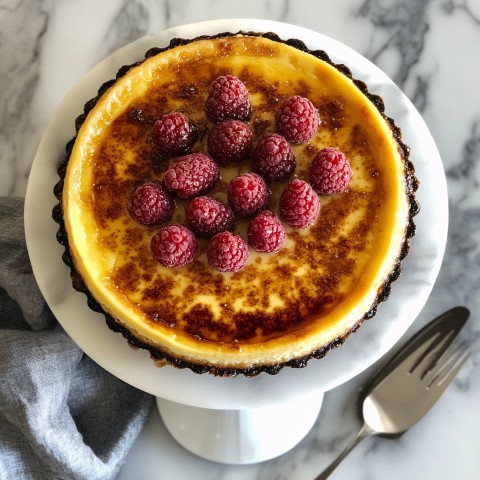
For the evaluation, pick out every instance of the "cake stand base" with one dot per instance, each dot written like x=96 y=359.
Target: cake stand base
x=240 y=436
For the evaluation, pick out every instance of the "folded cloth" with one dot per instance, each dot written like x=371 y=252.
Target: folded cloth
x=61 y=415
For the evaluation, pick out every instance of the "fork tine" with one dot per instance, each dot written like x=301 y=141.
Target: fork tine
x=431 y=351
x=417 y=355
x=442 y=362
x=449 y=367
x=434 y=352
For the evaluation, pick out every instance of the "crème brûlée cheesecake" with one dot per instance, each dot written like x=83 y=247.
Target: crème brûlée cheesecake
x=282 y=308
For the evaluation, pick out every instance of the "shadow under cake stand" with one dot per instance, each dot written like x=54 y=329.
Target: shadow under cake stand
x=238 y=420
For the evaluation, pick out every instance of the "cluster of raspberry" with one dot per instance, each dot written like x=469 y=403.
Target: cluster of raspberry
x=231 y=141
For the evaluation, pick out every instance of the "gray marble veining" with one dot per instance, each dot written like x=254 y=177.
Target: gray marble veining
x=23 y=28
x=402 y=28
x=430 y=49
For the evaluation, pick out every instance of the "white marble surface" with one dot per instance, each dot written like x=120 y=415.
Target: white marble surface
x=430 y=48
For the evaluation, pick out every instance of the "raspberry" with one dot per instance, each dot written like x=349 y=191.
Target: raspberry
x=330 y=171
x=299 y=204
x=174 y=246
x=228 y=100
x=297 y=119
x=227 y=252
x=150 y=204
x=191 y=175
x=174 y=133
x=248 y=194
x=266 y=232
x=274 y=159
x=208 y=216
x=230 y=141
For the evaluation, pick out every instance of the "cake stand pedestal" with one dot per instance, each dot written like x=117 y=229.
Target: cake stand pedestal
x=241 y=436
x=238 y=420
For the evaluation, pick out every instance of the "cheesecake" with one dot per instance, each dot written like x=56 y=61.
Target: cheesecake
x=281 y=308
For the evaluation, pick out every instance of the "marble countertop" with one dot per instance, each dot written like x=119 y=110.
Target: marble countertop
x=429 y=49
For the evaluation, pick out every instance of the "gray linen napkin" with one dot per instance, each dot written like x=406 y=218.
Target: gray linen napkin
x=61 y=415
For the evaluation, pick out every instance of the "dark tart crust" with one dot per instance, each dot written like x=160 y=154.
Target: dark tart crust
x=157 y=355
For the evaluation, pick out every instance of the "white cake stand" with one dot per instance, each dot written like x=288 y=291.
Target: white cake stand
x=238 y=420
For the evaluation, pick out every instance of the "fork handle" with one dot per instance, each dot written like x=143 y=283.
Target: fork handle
x=364 y=432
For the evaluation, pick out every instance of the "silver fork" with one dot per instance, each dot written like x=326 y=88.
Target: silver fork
x=410 y=384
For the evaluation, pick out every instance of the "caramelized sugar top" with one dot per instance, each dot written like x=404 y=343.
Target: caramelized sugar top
x=274 y=293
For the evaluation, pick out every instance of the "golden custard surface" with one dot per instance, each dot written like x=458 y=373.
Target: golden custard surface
x=279 y=306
